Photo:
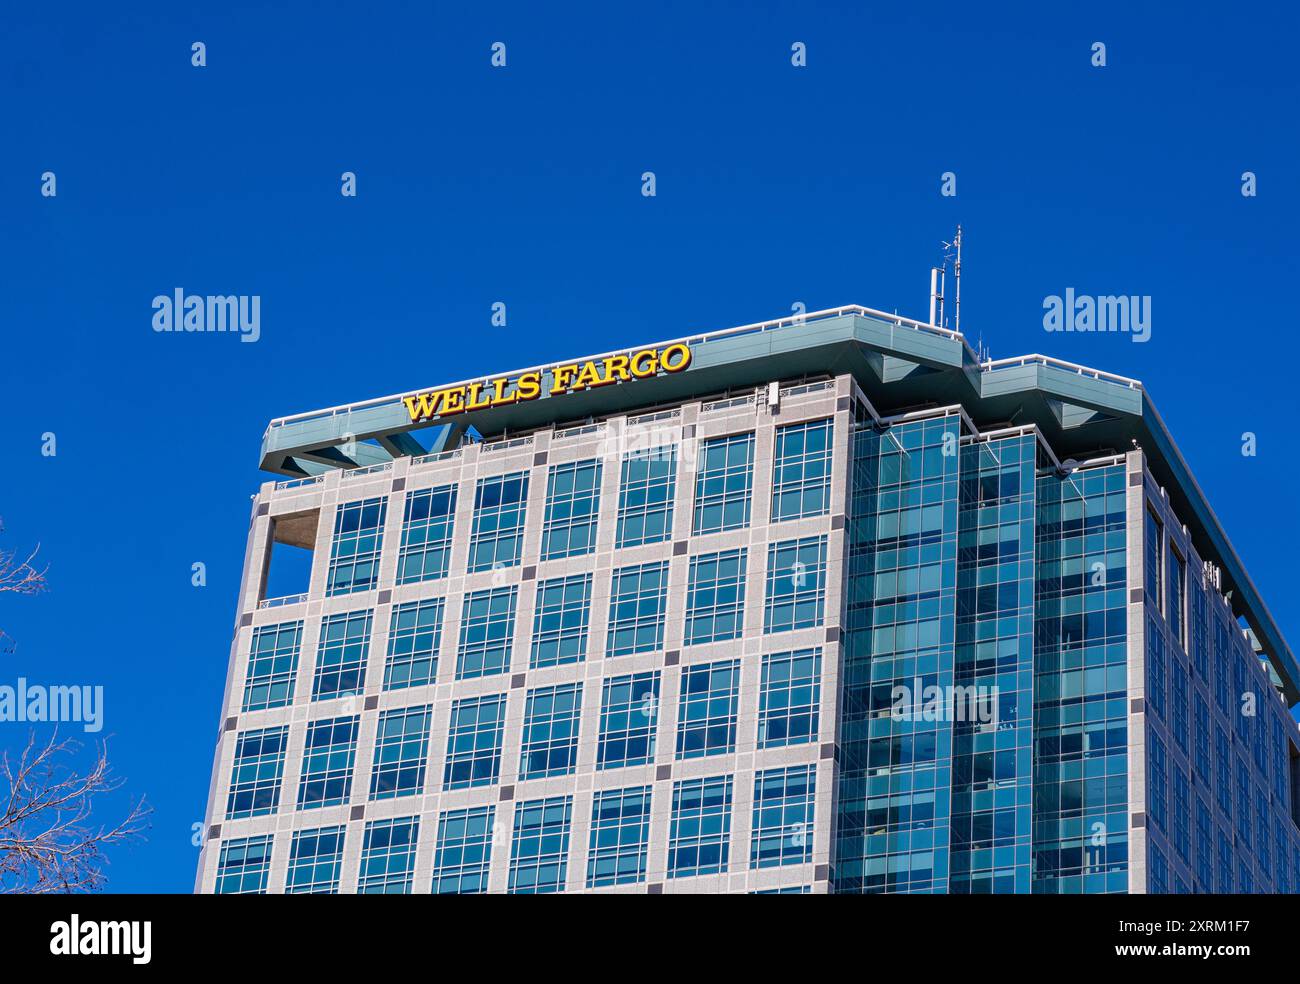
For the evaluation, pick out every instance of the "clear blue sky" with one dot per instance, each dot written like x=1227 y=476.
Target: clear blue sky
x=775 y=184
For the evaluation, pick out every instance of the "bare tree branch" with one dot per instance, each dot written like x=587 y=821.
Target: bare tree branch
x=47 y=842
x=19 y=575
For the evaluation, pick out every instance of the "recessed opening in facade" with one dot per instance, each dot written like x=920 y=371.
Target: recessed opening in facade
x=287 y=571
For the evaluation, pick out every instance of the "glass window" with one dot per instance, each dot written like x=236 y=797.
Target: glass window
x=487 y=631
x=1225 y=863
x=1157 y=781
x=315 y=862
x=540 y=848
x=358 y=540
x=1159 y=871
x=414 y=635
x=341 y=656
x=801 y=471
x=1178 y=698
x=272 y=666
x=1204 y=848
x=707 y=709
x=464 y=852
x=1153 y=554
x=1243 y=804
x=327 y=762
x=388 y=856
x=244 y=866
x=1200 y=631
x=562 y=612
x=790 y=698
x=715 y=600
x=1221 y=653
x=572 y=509
x=1177 y=594
x=259 y=766
x=629 y=712
x=620 y=834
x=1182 y=816
x=401 y=747
x=1262 y=833
x=636 y=609
x=498 y=535
x=426 y=534
x=700 y=834
x=1202 y=722
x=724 y=483
x=474 y=741
x=550 y=743
x=796 y=584
x=783 y=816
x=1223 y=770
x=1156 y=668
x=647 y=488
x=1239 y=690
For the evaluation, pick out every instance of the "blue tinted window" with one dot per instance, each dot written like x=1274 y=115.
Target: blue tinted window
x=629 y=713
x=315 y=862
x=243 y=866
x=272 y=666
x=647 y=488
x=474 y=742
x=724 y=483
x=540 y=848
x=358 y=540
x=707 y=709
x=327 y=761
x=259 y=766
x=572 y=509
x=801 y=471
x=498 y=534
x=426 y=534
x=388 y=856
x=700 y=834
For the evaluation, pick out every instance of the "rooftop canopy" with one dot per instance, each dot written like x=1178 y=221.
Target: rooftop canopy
x=899 y=364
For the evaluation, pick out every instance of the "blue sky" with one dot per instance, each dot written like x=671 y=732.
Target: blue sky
x=775 y=185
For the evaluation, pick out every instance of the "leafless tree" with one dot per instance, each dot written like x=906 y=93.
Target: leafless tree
x=48 y=842
x=18 y=575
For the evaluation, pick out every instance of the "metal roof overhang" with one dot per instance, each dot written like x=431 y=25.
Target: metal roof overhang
x=898 y=364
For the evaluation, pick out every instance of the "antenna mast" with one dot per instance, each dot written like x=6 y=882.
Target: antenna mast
x=957 y=278
x=952 y=250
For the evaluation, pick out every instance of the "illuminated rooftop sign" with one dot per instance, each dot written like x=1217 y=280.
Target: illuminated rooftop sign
x=572 y=377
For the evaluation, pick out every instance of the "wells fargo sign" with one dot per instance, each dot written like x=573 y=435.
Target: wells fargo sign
x=569 y=378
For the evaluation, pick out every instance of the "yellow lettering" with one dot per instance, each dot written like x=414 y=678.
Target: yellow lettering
x=645 y=363
x=453 y=401
x=423 y=406
x=499 y=397
x=561 y=377
x=588 y=376
x=682 y=354
x=616 y=366
x=614 y=369
x=530 y=386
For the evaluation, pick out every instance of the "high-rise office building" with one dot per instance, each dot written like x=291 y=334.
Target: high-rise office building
x=816 y=605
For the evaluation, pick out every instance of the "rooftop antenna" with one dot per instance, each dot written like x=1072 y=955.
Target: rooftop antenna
x=936 y=292
x=950 y=250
